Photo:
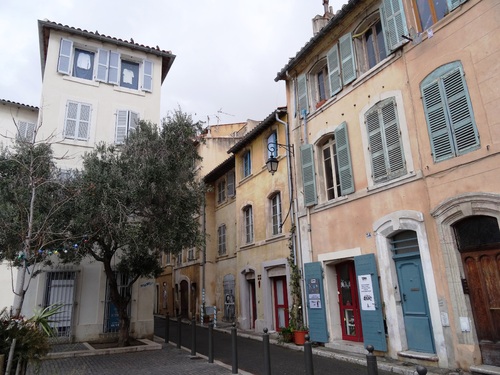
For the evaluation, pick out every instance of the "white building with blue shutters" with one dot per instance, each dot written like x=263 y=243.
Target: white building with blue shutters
x=393 y=113
x=95 y=89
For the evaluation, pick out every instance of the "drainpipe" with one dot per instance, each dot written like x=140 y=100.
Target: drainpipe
x=309 y=230
x=204 y=261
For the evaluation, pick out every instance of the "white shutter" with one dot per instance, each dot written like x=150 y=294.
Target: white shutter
x=121 y=126
x=65 y=50
x=147 y=76
x=102 y=65
x=71 y=120
x=114 y=68
x=84 y=122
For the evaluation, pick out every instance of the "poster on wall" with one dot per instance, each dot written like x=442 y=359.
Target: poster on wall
x=313 y=294
x=366 y=292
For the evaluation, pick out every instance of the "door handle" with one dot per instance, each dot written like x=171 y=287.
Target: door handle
x=404 y=297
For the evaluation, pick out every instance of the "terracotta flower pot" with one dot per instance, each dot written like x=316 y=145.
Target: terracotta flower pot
x=299 y=337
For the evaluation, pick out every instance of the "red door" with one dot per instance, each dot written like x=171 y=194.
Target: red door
x=348 y=301
x=280 y=302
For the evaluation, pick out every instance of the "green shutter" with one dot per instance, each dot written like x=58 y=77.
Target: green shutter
x=334 y=70
x=302 y=94
x=65 y=51
x=347 y=59
x=376 y=147
x=315 y=302
x=344 y=160
x=394 y=147
x=393 y=23
x=308 y=175
x=453 y=4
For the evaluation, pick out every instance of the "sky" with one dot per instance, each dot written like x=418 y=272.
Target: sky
x=227 y=52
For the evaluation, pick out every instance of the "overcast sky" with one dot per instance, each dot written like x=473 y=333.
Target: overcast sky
x=228 y=51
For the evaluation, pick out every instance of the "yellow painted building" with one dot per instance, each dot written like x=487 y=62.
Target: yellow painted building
x=393 y=109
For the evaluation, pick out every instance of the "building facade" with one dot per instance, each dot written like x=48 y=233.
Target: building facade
x=393 y=105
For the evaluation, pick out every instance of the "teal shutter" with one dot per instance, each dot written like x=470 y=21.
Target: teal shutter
x=65 y=51
x=344 y=160
x=302 y=94
x=347 y=59
x=448 y=111
x=102 y=65
x=372 y=318
x=334 y=70
x=315 y=300
x=114 y=68
x=452 y=4
x=393 y=23
x=376 y=148
x=147 y=80
x=308 y=175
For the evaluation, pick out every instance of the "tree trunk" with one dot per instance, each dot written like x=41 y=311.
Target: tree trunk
x=19 y=292
x=124 y=333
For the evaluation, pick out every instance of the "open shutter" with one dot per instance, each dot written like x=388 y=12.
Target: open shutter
x=394 y=147
x=102 y=65
x=65 y=50
x=347 y=59
x=71 y=120
x=230 y=184
x=133 y=122
x=302 y=94
x=147 y=80
x=334 y=70
x=452 y=4
x=308 y=176
x=372 y=318
x=121 y=126
x=315 y=299
x=373 y=127
x=84 y=122
x=393 y=23
x=460 y=113
x=114 y=68
x=344 y=160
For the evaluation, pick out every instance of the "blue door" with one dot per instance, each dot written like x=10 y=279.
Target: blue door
x=416 y=316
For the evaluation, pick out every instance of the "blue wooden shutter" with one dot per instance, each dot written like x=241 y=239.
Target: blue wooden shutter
x=147 y=81
x=347 y=59
x=65 y=51
x=102 y=65
x=393 y=23
x=114 y=68
x=302 y=94
x=308 y=175
x=334 y=70
x=372 y=320
x=315 y=300
x=344 y=159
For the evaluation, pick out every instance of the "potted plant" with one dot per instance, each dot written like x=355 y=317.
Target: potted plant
x=285 y=334
x=299 y=335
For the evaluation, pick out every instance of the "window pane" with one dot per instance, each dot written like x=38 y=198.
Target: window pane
x=404 y=243
x=327 y=160
x=370 y=48
x=129 y=75
x=382 y=53
x=83 y=64
x=424 y=12
x=321 y=86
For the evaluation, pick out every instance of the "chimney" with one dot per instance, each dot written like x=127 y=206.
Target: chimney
x=320 y=21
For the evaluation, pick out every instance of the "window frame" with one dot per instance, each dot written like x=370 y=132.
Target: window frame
x=79 y=123
x=131 y=116
x=276 y=214
x=26 y=130
x=221 y=190
x=221 y=240
x=370 y=23
x=248 y=224
x=247 y=163
x=432 y=13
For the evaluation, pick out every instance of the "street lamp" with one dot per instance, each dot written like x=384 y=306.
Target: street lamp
x=272 y=161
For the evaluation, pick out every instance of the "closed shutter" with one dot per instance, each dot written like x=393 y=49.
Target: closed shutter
x=121 y=126
x=395 y=157
x=347 y=59
x=71 y=121
x=315 y=299
x=393 y=23
x=308 y=175
x=372 y=318
x=114 y=68
x=22 y=126
x=102 y=65
x=302 y=94
x=344 y=160
x=379 y=169
x=84 y=122
x=148 y=76
x=334 y=70
x=65 y=50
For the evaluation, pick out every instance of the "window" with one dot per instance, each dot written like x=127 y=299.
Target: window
x=272 y=146
x=321 y=86
x=221 y=234
x=126 y=122
x=77 y=121
x=190 y=254
x=276 y=213
x=384 y=138
x=221 y=190
x=231 y=189
x=248 y=220
x=429 y=12
x=168 y=257
x=370 y=43
x=247 y=164
x=448 y=111
x=104 y=66
x=26 y=131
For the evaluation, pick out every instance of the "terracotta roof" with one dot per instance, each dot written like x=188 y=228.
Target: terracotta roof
x=250 y=136
x=44 y=27
x=346 y=8
x=15 y=104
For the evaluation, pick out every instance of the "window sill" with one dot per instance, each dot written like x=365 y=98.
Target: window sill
x=394 y=182
x=247 y=246
x=82 y=81
x=276 y=237
x=129 y=91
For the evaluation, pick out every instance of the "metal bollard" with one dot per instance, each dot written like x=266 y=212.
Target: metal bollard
x=167 y=327
x=421 y=370
x=267 y=353
x=179 y=332
x=211 y=343
x=371 y=361
x=193 y=336
x=234 y=349
x=308 y=356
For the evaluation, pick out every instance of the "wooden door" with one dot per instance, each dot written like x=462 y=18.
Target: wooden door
x=482 y=271
x=348 y=302
x=280 y=302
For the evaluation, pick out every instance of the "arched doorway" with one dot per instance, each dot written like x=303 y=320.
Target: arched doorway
x=478 y=242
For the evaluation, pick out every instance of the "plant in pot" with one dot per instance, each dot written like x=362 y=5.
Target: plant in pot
x=285 y=334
